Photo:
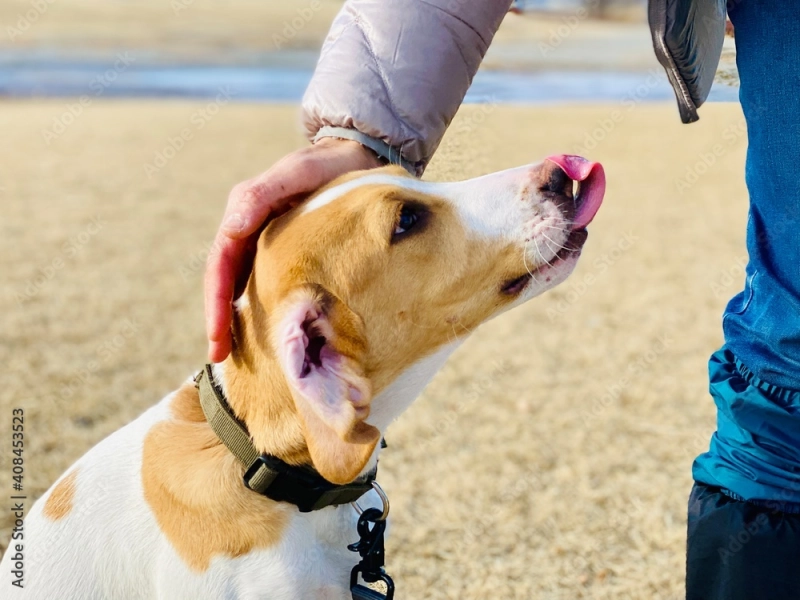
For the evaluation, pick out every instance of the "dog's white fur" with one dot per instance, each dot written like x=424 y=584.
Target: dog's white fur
x=109 y=544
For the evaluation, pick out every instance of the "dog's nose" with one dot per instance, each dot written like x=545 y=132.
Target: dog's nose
x=591 y=184
x=551 y=177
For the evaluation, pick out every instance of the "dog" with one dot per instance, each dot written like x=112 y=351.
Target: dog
x=356 y=298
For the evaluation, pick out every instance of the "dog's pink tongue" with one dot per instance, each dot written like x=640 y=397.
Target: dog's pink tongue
x=591 y=185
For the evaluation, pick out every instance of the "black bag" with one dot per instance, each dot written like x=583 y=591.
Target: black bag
x=687 y=38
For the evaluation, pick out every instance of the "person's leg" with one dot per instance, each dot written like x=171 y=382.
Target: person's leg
x=762 y=324
x=754 y=455
x=756 y=377
x=739 y=550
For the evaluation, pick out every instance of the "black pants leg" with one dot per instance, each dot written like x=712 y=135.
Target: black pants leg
x=738 y=550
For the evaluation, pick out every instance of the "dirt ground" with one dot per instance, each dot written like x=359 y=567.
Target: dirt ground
x=550 y=459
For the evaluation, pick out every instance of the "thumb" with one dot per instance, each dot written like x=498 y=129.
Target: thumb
x=251 y=202
x=296 y=175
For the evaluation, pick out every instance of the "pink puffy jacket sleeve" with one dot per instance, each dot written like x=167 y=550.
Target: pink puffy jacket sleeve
x=392 y=73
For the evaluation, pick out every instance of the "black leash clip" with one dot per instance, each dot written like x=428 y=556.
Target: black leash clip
x=370 y=548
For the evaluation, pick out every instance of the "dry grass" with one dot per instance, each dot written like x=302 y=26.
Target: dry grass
x=549 y=459
x=188 y=27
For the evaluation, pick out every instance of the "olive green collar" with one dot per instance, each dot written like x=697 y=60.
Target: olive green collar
x=266 y=474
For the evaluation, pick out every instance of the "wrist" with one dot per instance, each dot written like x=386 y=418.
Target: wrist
x=365 y=157
x=386 y=154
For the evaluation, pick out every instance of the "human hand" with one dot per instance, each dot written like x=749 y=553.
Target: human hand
x=250 y=205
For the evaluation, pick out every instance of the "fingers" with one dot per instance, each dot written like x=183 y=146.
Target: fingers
x=222 y=269
x=250 y=205
x=219 y=351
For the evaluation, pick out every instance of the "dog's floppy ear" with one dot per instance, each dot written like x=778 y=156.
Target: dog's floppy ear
x=321 y=345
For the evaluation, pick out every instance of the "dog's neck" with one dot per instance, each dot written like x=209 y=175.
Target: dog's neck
x=259 y=395
x=256 y=389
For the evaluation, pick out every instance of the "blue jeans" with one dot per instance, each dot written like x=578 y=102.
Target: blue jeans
x=755 y=453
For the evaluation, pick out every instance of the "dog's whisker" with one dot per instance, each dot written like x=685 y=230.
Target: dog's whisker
x=559 y=246
x=560 y=229
x=536 y=249
x=525 y=262
x=464 y=327
x=547 y=262
x=455 y=333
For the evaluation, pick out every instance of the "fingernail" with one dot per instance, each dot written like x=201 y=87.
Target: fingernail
x=234 y=223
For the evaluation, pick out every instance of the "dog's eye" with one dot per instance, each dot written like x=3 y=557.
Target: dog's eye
x=406 y=220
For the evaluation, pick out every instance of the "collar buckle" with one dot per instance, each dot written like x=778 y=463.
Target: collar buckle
x=301 y=486
x=266 y=474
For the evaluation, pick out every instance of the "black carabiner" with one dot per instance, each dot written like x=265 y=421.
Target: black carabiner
x=370 y=548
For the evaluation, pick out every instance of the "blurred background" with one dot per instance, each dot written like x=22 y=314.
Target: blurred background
x=554 y=50
x=551 y=457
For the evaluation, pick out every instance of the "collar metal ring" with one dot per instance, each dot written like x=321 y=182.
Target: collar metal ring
x=384 y=499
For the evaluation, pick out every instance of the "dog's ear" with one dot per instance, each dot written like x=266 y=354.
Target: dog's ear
x=321 y=346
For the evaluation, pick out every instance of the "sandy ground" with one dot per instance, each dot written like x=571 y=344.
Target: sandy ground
x=550 y=459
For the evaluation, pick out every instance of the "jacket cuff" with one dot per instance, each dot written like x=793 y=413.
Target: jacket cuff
x=378 y=146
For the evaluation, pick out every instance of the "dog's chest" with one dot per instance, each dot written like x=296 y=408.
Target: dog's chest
x=311 y=561
x=125 y=553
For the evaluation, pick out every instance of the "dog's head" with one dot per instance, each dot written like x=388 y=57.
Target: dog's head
x=363 y=291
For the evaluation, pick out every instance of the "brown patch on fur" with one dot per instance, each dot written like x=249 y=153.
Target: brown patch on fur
x=346 y=247
x=59 y=503
x=408 y=298
x=339 y=449
x=193 y=485
x=391 y=301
